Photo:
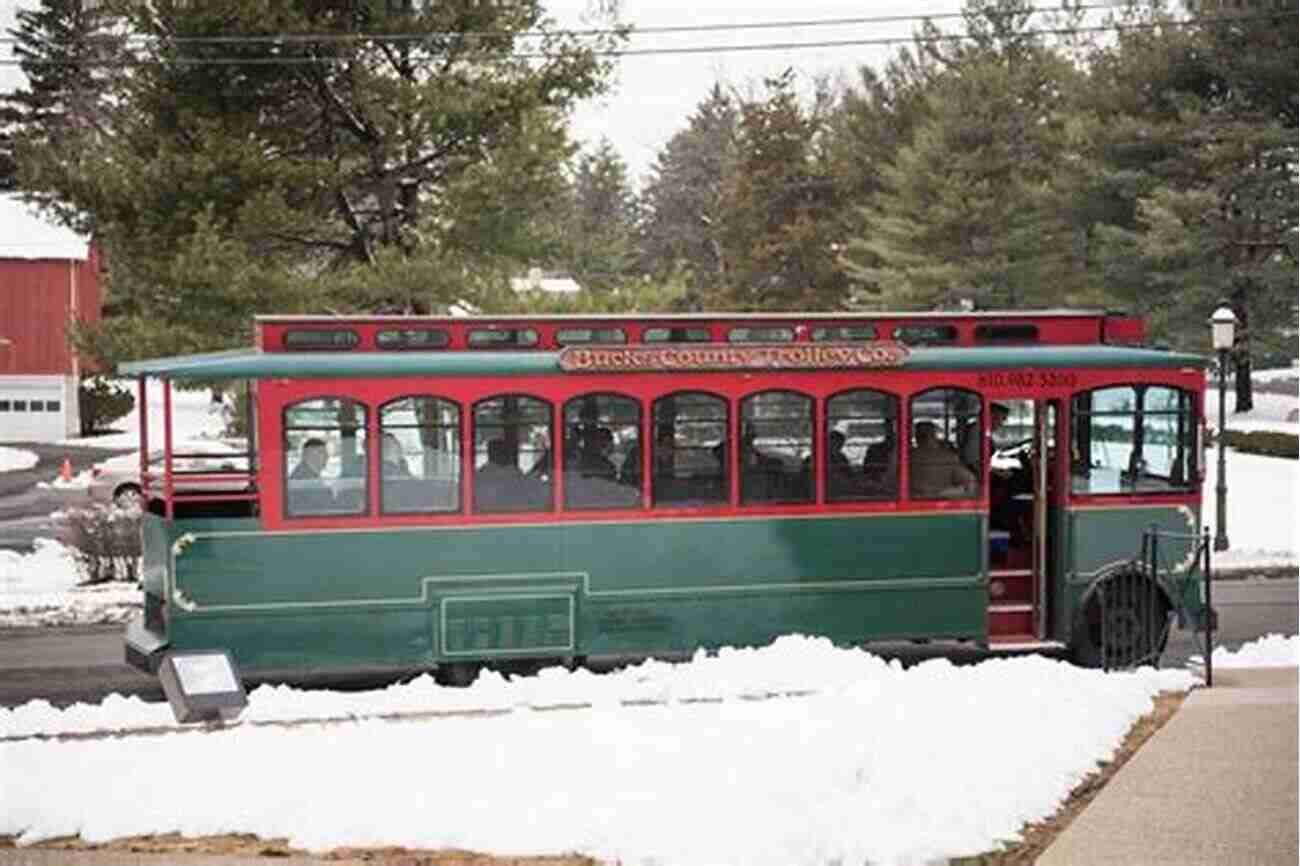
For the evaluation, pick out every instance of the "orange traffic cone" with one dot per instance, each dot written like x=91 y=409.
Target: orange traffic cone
x=65 y=474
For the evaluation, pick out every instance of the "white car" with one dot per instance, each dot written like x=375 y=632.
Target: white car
x=116 y=480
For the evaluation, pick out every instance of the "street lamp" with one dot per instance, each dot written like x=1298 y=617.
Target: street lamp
x=1222 y=325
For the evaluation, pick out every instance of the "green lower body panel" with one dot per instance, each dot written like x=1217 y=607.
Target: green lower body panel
x=320 y=602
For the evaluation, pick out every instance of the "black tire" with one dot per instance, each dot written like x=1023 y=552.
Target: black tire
x=1122 y=623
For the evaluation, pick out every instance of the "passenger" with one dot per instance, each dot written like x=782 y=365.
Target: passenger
x=880 y=463
x=836 y=460
x=312 y=461
x=592 y=459
x=499 y=485
x=972 y=454
x=936 y=469
x=394 y=459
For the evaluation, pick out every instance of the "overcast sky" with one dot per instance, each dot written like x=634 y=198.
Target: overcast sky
x=655 y=94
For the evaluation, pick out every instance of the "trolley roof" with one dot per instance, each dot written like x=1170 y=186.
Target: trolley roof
x=254 y=364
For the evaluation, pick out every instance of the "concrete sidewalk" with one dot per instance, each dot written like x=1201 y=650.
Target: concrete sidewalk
x=1217 y=785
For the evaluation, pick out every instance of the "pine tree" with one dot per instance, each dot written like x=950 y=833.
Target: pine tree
x=600 y=245
x=316 y=165
x=683 y=200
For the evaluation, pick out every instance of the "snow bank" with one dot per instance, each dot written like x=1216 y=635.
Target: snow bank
x=16 y=460
x=40 y=589
x=881 y=765
x=1270 y=651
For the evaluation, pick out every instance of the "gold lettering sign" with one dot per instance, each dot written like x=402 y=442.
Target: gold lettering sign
x=804 y=356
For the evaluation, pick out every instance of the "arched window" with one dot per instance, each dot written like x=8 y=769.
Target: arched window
x=419 y=451
x=776 y=448
x=862 y=428
x=688 y=457
x=602 y=452
x=325 y=457
x=513 y=460
x=1134 y=439
x=947 y=450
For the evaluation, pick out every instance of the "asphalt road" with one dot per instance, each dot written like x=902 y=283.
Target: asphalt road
x=25 y=508
x=65 y=666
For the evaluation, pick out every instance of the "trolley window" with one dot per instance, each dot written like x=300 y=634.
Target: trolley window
x=1134 y=439
x=502 y=338
x=926 y=335
x=776 y=448
x=945 y=424
x=325 y=457
x=676 y=335
x=844 y=334
x=412 y=338
x=512 y=454
x=420 y=456
x=321 y=339
x=584 y=336
x=1006 y=333
x=689 y=454
x=602 y=452
x=861 y=446
x=760 y=335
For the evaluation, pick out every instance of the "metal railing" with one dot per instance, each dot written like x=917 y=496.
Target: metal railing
x=1137 y=608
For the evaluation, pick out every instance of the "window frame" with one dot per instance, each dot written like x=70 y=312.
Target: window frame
x=814 y=449
x=460 y=453
x=564 y=447
x=897 y=420
x=980 y=480
x=285 y=511
x=729 y=450
x=550 y=453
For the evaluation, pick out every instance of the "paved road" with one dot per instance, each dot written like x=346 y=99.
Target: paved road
x=25 y=508
x=65 y=666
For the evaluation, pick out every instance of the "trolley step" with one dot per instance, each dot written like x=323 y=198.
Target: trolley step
x=1023 y=642
x=1011 y=585
x=1011 y=619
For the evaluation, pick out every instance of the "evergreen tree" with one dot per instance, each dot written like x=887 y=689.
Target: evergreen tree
x=780 y=205
x=975 y=206
x=315 y=163
x=1200 y=175
x=683 y=200
x=600 y=246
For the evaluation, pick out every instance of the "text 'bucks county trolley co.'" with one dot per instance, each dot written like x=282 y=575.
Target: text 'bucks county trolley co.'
x=577 y=359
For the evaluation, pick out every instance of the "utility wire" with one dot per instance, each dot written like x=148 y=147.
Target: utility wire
x=641 y=52
x=632 y=31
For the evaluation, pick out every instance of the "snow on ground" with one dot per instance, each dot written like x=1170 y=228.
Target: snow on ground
x=40 y=589
x=1270 y=412
x=1262 y=496
x=16 y=460
x=1271 y=651
x=881 y=765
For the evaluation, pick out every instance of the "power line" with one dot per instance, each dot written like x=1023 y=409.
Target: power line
x=641 y=52
x=632 y=31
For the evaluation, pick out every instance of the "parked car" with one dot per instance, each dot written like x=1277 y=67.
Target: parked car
x=117 y=480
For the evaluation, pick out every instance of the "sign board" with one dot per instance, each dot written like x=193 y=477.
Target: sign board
x=803 y=356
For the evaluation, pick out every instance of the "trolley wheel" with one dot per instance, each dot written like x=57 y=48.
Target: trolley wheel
x=1124 y=622
x=457 y=674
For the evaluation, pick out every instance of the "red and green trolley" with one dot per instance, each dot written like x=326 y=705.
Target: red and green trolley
x=443 y=493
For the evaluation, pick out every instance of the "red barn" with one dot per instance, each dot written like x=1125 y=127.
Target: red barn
x=49 y=277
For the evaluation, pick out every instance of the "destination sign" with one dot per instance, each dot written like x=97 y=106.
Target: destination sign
x=807 y=356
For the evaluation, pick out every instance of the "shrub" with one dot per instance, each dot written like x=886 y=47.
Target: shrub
x=101 y=404
x=1270 y=443
x=105 y=542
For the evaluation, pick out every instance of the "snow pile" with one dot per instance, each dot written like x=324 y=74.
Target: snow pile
x=1270 y=411
x=41 y=588
x=80 y=481
x=16 y=460
x=886 y=765
x=1270 y=651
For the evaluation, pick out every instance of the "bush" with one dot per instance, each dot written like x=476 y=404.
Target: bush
x=1267 y=442
x=101 y=404
x=105 y=542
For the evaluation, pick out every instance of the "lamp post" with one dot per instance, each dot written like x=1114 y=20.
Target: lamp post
x=1222 y=325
